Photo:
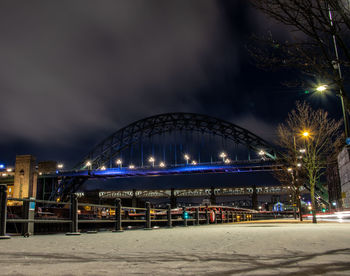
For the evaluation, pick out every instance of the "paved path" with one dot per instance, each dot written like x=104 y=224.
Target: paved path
x=229 y=249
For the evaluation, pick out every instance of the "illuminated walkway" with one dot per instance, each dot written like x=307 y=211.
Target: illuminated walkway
x=231 y=249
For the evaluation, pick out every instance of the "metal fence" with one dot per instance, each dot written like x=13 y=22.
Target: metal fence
x=75 y=215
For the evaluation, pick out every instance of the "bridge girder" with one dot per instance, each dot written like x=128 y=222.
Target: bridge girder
x=104 y=152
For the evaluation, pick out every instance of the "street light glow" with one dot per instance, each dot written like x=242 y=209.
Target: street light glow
x=289 y=169
x=187 y=157
x=223 y=155
x=306 y=134
x=151 y=159
x=321 y=88
x=194 y=162
x=119 y=161
x=88 y=163
x=103 y=168
x=227 y=161
x=302 y=150
x=60 y=166
x=162 y=164
x=131 y=166
x=261 y=153
x=299 y=165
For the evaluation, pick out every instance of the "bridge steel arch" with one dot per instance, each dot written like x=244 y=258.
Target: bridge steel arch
x=104 y=152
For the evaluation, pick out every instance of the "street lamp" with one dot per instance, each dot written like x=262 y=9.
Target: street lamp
x=162 y=164
x=227 y=161
x=103 y=168
x=223 y=155
x=151 y=160
x=187 y=157
x=60 y=166
x=194 y=162
x=88 y=164
x=131 y=166
x=119 y=163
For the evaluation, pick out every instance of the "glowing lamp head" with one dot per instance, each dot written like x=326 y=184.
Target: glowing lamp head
x=321 y=88
x=88 y=163
x=261 y=153
x=299 y=165
x=227 y=161
x=306 y=134
x=187 y=157
x=119 y=161
x=131 y=166
x=151 y=159
x=289 y=169
x=103 y=168
x=162 y=164
x=223 y=155
x=60 y=166
x=302 y=150
x=194 y=162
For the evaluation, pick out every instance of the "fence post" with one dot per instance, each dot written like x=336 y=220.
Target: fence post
x=3 y=212
x=148 y=216
x=197 y=216
x=118 y=215
x=183 y=216
x=206 y=216
x=73 y=215
x=170 y=222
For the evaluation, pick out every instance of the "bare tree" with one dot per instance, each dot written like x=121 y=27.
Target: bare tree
x=311 y=133
x=319 y=45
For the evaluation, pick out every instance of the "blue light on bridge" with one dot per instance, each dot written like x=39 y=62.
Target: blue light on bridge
x=2 y=166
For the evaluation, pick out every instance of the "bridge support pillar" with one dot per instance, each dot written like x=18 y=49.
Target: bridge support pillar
x=148 y=217
x=3 y=212
x=170 y=222
x=173 y=200
x=118 y=215
x=215 y=218
x=73 y=215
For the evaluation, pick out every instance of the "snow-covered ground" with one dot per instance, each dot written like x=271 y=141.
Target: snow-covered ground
x=229 y=249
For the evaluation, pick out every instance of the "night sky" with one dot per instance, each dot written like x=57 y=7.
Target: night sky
x=73 y=72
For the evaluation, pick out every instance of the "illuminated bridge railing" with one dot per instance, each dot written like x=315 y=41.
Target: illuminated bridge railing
x=218 y=167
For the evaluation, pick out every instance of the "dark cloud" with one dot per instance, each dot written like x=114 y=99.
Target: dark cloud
x=72 y=68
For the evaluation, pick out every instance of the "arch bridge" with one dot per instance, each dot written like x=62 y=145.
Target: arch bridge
x=101 y=160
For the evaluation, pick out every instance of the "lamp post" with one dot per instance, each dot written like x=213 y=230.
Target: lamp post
x=151 y=160
x=336 y=66
x=187 y=157
x=223 y=156
x=119 y=163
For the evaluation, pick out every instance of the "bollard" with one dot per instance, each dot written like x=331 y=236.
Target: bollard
x=183 y=216
x=222 y=216
x=148 y=217
x=73 y=216
x=197 y=216
x=170 y=222
x=3 y=212
x=206 y=216
x=118 y=215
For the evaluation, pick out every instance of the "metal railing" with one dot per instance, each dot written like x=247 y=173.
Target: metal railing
x=117 y=214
